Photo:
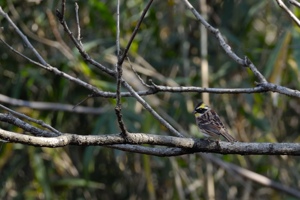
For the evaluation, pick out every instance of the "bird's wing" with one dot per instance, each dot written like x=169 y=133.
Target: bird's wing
x=212 y=124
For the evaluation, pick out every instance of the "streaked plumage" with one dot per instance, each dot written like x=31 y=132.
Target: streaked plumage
x=210 y=123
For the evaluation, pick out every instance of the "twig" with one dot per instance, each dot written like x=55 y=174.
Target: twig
x=245 y=62
x=223 y=44
x=160 y=88
x=263 y=87
x=24 y=38
x=60 y=73
x=290 y=13
x=248 y=63
x=114 y=74
x=63 y=8
x=280 y=89
x=253 y=176
x=121 y=60
x=51 y=106
x=118 y=107
x=9 y=118
x=78 y=24
x=85 y=56
x=39 y=122
x=137 y=75
x=59 y=44
x=153 y=90
x=295 y=3
x=167 y=152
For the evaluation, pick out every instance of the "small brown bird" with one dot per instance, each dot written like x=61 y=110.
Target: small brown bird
x=210 y=123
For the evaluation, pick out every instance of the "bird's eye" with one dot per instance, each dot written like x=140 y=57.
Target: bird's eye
x=201 y=110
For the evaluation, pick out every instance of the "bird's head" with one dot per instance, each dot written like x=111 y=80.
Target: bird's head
x=200 y=109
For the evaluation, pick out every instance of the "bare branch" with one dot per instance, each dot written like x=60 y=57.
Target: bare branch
x=137 y=75
x=121 y=60
x=166 y=152
x=295 y=3
x=80 y=48
x=244 y=62
x=24 y=38
x=118 y=107
x=159 y=88
x=25 y=126
x=224 y=45
x=290 y=13
x=255 y=71
x=114 y=74
x=78 y=24
x=39 y=122
x=253 y=176
x=63 y=8
x=188 y=144
x=51 y=106
x=280 y=89
x=60 y=73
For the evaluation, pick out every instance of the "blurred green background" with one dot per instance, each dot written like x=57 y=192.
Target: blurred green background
x=166 y=50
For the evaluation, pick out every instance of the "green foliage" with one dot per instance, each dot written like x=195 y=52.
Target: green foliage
x=257 y=29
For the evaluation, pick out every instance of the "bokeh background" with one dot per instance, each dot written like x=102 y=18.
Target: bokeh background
x=166 y=50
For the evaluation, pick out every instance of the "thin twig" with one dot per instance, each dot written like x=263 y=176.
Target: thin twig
x=137 y=75
x=39 y=122
x=118 y=107
x=9 y=118
x=39 y=105
x=60 y=73
x=290 y=13
x=63 y=8
x=59 y=44
x=85 y=56
x=280 y=89
x=223 y=43
x=121 y=60
x=258 y=178
x=114 y=74
x=295 y=3
x=245 y=62
x=78 y=24
x=153 y=90
x=24 y=38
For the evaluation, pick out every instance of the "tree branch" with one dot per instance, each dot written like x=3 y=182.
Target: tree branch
x=295 y=3
x=184 y=145
x=39 y=122
x=167 y=152
x=290 y=13
x=258 y=178
x=114 y=75
x=51 y=106
x=118 y=107
x=244 y=62
x=9 y=118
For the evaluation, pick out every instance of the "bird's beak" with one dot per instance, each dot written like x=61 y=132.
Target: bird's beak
x=194 y=111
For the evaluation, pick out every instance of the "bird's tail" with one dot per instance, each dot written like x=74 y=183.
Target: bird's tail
x=228 y=137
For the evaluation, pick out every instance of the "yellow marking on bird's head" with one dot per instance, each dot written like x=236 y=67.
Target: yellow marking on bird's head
x=202 y=105
x=200 y=109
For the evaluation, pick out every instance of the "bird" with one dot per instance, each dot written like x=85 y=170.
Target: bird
x=210 y=124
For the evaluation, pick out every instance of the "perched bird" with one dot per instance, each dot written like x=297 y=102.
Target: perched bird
x=210 y=123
